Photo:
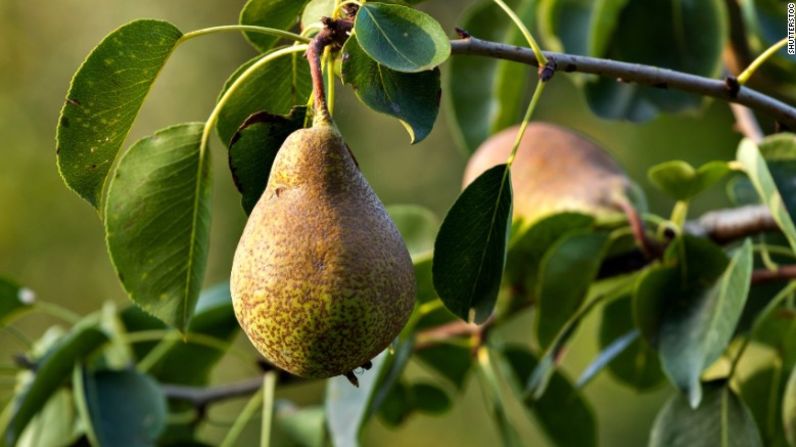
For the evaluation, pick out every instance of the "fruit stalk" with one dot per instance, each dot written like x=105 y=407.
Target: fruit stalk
x=334 y=33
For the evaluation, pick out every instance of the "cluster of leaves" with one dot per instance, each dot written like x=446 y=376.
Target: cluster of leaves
x=677 y=318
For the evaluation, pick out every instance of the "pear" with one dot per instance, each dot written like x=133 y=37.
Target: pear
x=321 y=281
x=555 y=170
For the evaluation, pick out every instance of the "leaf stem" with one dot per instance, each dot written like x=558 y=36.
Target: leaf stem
x=57 y=311
x=743 y=78
x=269 y=389
x=537 y=51
x=248 y=28
x=537 y=93
x=240 y=423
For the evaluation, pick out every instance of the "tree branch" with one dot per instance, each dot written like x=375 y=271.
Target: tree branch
x=638 y=73
x=724 y=226
x=201 y=397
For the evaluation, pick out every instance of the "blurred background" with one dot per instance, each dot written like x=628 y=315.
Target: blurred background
x=52 y=241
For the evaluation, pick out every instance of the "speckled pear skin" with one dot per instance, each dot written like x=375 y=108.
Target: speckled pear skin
x=555 y=170
x=321 y=280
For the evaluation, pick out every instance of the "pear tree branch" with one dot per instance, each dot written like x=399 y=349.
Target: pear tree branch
x=638 y=73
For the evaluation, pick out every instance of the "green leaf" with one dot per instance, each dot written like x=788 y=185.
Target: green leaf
x=423 y=280
x=452 y=362
x=13 y=299
x=417 y=225
x=401 y=38
x=566 y=273
x=721 y=419
x=763 y=392
x=561 y=409
x=347 y=405
x=789 y=409
x=104 y=99
x=305 y=426
x=756 y=168
x=476 y=86
x=126 y=407
x=52 y=371
x=279 y=14
x=430 y=399
x=699 y=323
x=413 y=98
x=403 y=400
x=397 y=406
x=606 y=356
x=253 y=149
x=491 y=387
x=682 y=182
x=636 y=365
x=157 y=221
x=315 y=10
x=56 y=424
x=527 y=249
x=470 y=250
x=689 y=37
x=274 y=88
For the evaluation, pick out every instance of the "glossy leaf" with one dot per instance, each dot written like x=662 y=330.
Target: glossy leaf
x=566 y=273
x=763 y=392
x=721 y=419
x=274 y=88
x=452 y=362
x=470 y=250
x=52 y=371
x=253 y=149
x=14 y=299
x=279 y=14
x=430 y=399
x=104 y=99
x=126 y=407
x=401 y=38
x=56 y=423
x=347 y=405
x=681 y=181
x=417 y=225
x=756 y=168
x=606 y=356
x=157 y=221
x=562 y=413
x=698 y=324
x=690 y=37
x=789 y=409
x=491 y=386
x=305 y=426
x=636 y=365
x=413 y=98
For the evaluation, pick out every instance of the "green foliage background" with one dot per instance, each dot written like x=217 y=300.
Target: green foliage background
x=51 y=241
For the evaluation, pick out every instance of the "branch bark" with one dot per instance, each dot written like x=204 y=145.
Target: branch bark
x=638 y=73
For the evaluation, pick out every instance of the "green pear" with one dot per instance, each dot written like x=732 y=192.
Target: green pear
x=321 y=281
x=555 y=170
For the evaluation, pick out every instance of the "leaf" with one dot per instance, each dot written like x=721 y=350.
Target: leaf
x=755 y=166
x=474 y=109
x=316 y=9
x=253 y=149
x=14 y=299
x=452 y=362
x=52 y=371
x=430 y=399
x=763 y=392
x=418 y=227
x=103 y=100
x=698 y=324
x=682 y=182
x=401 y=38
x=56 y=423
x=279 y=14
x=606 y=356
x=275 y=88
x=157 y=221
x=561 y=409
x=413 y=98
x=789 y=409
x=126 y=407
x=490 y=384
x=403 y=400
x=397 y=407
x=470 y=250
x=636 y=365
x=347 y=405
x=721 y=419
x=566 y=273
x=305 y=426
x=689 y=37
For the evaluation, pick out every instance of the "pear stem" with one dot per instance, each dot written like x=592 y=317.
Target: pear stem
x=334 y=33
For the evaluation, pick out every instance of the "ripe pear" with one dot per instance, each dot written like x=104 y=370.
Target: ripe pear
x=321 y=281
x=555 y=170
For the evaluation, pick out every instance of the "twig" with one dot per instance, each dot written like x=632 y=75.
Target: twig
x=724 y=226
x=782 y=273
x=629 y=72
x=200 y=397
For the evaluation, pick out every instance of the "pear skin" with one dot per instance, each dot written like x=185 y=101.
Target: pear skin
x=555 y=170
x=321 y=281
